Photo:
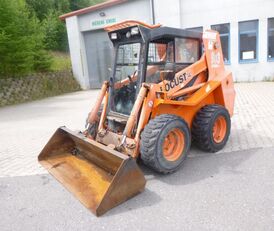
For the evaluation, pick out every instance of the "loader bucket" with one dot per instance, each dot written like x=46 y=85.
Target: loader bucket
x=97 y=175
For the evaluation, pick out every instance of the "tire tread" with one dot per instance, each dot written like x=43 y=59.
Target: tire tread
x=201 y=127
x=149 y=138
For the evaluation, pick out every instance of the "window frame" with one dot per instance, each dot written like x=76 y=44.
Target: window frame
x=256 y=60
x=268 y=30
x=229 y=44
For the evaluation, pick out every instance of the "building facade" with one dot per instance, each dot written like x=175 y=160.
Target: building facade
x=246 y=28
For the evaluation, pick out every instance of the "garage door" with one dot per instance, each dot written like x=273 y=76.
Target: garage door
x=99 y=57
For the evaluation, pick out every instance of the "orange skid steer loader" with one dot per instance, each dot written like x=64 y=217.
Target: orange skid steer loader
x=168 y=88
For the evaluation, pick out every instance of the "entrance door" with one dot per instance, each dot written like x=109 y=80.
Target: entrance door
x=99 y=57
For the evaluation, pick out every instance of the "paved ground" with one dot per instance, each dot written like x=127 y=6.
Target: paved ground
x=229 y=190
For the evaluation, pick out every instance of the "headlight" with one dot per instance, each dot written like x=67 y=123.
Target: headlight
x=134 y=30
x=113 y=36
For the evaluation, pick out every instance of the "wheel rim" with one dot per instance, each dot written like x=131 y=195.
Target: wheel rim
x=219 y=129
x=174 y=144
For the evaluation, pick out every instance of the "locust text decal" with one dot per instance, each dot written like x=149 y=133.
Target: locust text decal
x=176 y=81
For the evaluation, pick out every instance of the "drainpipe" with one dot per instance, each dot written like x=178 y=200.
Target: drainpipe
x=152 y=11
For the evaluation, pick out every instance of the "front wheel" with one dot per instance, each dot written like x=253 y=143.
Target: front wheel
x=165 y=143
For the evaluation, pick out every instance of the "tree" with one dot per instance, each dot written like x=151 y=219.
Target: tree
x=79 y=4
x=48 y=12
x=55 y=32
x=41 y=8
x=21 y=38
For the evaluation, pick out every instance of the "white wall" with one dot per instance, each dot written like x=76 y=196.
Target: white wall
x=77 y=52
x=135 y=9
x=196 y=13
x=167 y=13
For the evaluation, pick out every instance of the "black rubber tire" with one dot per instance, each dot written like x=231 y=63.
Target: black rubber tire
x=152 y=139
x=203 y=124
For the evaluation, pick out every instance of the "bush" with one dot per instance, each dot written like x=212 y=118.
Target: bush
x=43 y=61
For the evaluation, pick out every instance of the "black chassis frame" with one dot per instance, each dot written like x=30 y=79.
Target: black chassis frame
x=144 y=37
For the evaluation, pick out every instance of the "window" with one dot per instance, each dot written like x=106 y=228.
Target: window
x=160 y=63
x=186 y=50
x=125 y=78
x=128 y=54
x=160 y=52
x=248 y=41
x=198 y=29
x=224 y=31
x=270 y=40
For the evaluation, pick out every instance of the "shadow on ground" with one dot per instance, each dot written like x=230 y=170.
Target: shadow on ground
x=200 y=166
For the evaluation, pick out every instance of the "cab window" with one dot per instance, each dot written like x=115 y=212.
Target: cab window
x=186 y=50
x=160 y=64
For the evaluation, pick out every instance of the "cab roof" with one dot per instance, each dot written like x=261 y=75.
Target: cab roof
x=129 y=23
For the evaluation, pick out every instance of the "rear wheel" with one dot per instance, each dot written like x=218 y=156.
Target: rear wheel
x=165 y=143
x=211 y=128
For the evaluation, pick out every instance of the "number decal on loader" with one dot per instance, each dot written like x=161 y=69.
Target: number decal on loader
x=215 y=59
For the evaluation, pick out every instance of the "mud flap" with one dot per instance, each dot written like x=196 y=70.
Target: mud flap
x=101 y=178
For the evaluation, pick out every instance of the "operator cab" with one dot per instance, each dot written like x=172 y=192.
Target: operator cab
x=149 y=54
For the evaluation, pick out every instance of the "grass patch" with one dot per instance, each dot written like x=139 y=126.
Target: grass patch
x=60 y=61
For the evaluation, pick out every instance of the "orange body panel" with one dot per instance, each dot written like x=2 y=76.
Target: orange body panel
x=187 y=109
